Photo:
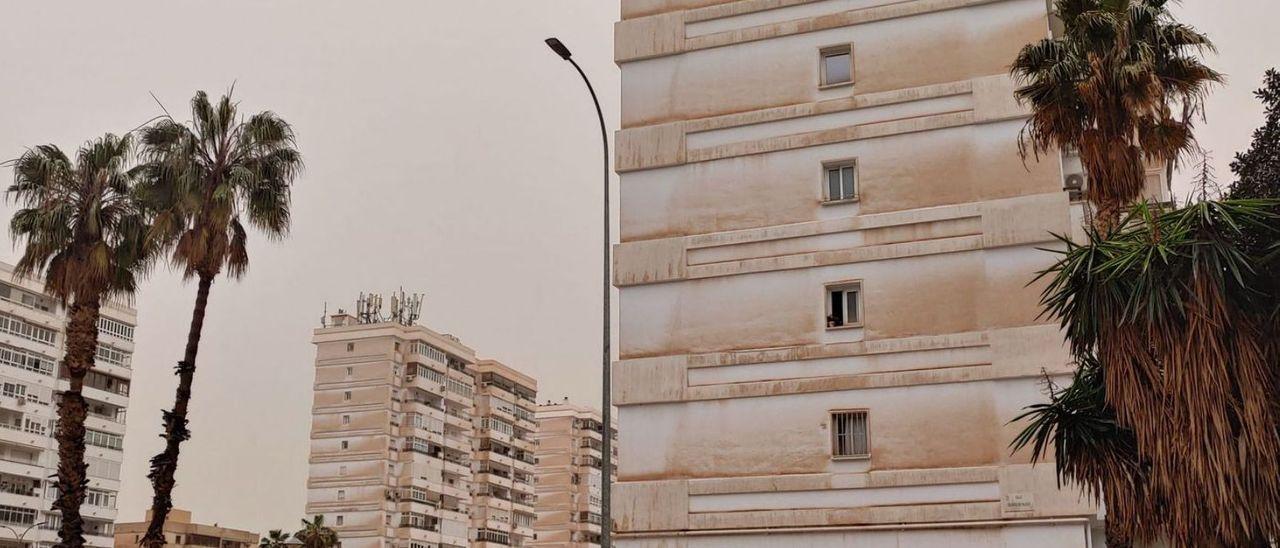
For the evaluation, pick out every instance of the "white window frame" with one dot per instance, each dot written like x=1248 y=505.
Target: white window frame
x=831 y=51
x=845 y=287
x=832 y=417
x=839 y=165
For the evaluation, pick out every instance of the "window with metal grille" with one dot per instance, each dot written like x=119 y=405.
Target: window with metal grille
x=849 y=434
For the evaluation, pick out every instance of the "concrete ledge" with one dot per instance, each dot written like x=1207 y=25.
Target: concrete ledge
x=1023 y=220
x=1019 y=352
x=648 y=33
x=662 y=145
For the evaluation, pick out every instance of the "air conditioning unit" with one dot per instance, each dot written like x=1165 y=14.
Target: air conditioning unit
x=1074 y=185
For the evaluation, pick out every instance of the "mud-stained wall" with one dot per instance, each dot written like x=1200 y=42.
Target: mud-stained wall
x=961 y=292
x=789 y=434
x=949 y=166
x=888 y=54
x=728 y=371
x=1071 y=535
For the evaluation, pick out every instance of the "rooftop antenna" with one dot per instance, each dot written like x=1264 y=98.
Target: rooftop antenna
x=324 y=318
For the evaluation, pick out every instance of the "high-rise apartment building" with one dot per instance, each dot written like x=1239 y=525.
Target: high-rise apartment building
x=417 y=444
x=827 y=240
x=391 y=435
x=32 y=344
x=569 y=479
x=502 y=513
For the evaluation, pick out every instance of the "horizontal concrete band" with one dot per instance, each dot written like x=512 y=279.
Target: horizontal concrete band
x=1010 y=353
x=988 y=493
x=874 y=479
x=1025 y=220
x=665 y=145
x=665 y=34
x=952 y=525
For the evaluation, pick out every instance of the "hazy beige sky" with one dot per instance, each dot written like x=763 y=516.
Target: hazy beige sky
x=447 y=152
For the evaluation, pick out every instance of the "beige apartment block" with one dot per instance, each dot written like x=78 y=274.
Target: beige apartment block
x=827 y=239
x=502 y=513
x=391 y=435
x=569 y=479
x=32 y=344
x=181 y=532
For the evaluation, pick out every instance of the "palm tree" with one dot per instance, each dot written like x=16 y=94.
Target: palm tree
x=83 y=234
x=204 y=182
x=315 y=534
x=1122 y=85
x=275 y=538
x=1175 y=412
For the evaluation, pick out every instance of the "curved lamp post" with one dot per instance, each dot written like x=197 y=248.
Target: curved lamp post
x=20 y=537
x=606 y=468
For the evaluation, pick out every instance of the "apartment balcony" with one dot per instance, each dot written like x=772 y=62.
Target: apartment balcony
x=493 y=478
x=109 y=397
x=23 y=469
x=460 y=420
x=428 y=383
x=459 y=443
x=104 y=423
x=22 y=496
x=18 y=436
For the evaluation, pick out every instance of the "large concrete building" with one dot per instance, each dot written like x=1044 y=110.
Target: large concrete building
x=503 y=510
x=569 y=478
x=417 y=444
x=181 y=532
x=32 y=344
x=827 y=236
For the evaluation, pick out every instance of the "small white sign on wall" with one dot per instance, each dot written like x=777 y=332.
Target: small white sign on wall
x=1019 y=502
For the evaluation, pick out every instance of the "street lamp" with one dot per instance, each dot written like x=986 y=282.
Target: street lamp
x=606 y=468
x=20 y=537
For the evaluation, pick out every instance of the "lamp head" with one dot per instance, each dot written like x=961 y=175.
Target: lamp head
x=557 y=46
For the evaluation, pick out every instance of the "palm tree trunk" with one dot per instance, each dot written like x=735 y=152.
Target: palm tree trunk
x=165 y=464
x=82 y=346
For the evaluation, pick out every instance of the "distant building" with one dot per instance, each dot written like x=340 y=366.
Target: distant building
x=415 y=443
x=32 y=345
x=502 y=511
x=569 y=479
x=180 y=531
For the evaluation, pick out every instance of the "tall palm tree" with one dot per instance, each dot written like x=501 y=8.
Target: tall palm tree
x=275 y=538
x=315 y=534
x=1122 y=86
x=83 y=234
x=205 y=181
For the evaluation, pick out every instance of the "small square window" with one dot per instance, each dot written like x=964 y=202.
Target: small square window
x=849 y=434
x=346 y=445
x=346 y=419
x=844 y=305
x=342 y=495
x=339 y=521
x=351 y=347
x=350 y=371
x=840 y=181
x=342 y=470
x=346 y=396
x=836 y=65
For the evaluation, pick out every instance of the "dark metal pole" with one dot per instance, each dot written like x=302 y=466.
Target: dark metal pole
x=606 y=406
